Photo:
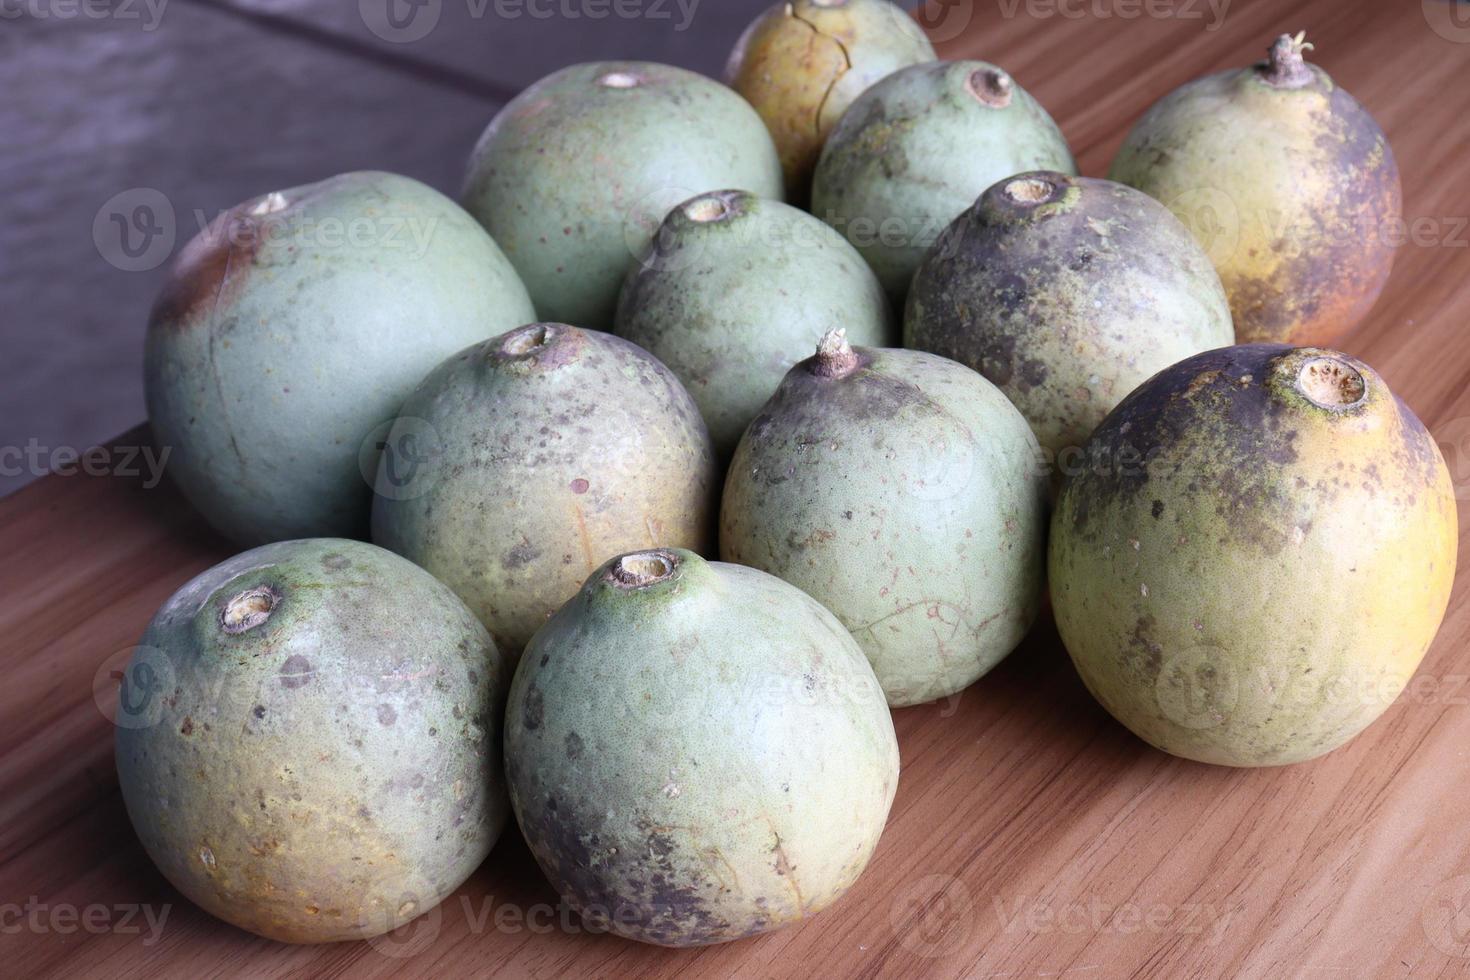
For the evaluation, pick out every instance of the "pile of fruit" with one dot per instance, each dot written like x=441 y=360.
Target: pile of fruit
x=1248 y=548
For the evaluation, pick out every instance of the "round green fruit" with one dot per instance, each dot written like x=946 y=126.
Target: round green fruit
x=310 y=741
x=1256 y=556
x=296 y=323
x=907 y=495
x=520 y=465
x=575 y=173
x=802 y=63
x=697 y=752
x=916 y=150
x=1067 y=293
x=736 y=290
x=1288 y=181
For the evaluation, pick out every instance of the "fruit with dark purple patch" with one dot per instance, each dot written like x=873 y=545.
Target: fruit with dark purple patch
x=697 y=751
x=1290 y=183
x=1067 y=293
x=1256 y=556
x=309 y=741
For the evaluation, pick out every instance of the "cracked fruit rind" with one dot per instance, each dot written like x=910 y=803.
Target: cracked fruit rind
x=697 y=752
x=1256 y=556
x=309 y=741
x=1067 y=293
x=907 y=495
x=294 y=324
x=802 y=63
x=574 y=175
x=735 y=291
x=1290 y=184
x=916 y=149
x=544 y=452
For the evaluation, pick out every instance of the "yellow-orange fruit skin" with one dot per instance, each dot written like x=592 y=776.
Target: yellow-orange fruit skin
x=803 y=62
x=1294 y=192
x=1246 y=577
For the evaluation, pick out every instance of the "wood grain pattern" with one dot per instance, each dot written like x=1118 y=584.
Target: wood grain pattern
x=1032 y=836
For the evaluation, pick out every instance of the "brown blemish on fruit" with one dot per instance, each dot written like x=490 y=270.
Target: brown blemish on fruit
x=296 y=672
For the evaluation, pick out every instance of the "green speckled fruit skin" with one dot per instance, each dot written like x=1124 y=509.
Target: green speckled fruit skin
x=1068 y=304
x=916 y=150
x=296 y=323
x=331 y=772
x=548 y=459
x=574 y=174
x=698 y=759
x=802 y=63
x=1295 y=192
x=910 y=498
x=731 y=304
x=1243 y=576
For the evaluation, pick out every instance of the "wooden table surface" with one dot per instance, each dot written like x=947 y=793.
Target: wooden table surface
x=1031 y=836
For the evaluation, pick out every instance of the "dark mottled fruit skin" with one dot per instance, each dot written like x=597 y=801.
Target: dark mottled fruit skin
x=1069 y=303
x=1293 y=190
x=548 y=450
x=330 y=772
x=1244 y=576
x=295 y=324
x=698 y=759
x=907 y=496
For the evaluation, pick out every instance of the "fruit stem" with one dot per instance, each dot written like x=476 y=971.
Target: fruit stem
x=1286 y=69
x=641 y=568
x=990 y=86
x=835 y=357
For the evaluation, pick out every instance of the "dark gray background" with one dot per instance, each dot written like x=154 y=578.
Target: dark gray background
x=209 y=102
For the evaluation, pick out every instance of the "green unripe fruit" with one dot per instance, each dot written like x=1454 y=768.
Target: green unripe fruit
x=575 y=173
x=916 y=150
x=802 y=63
x=1256 y=556
x=295 y=324
x=520 y=465
x=1290 y=183
x=736 y=290
x=309 y=742
x=697 y=752
x=907 y=495
x=1067 y=293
